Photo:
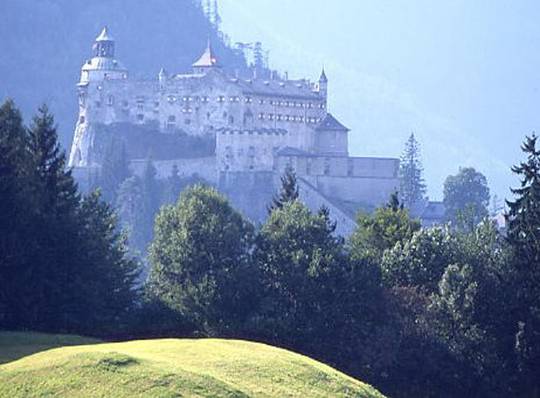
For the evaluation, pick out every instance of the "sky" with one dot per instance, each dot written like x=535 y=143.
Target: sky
x=462 y=75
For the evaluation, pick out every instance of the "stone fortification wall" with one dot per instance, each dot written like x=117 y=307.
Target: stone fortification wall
x=249 y=150
x=315 y=200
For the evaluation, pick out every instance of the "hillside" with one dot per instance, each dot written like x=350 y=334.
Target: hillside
x=44 y=43
x=166 y=368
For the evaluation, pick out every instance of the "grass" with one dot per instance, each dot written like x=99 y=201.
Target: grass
x=167 y=368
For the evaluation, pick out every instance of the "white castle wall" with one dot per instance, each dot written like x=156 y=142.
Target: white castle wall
x=249 y=150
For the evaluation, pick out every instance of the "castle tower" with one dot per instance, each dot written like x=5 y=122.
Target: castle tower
x=103 y=65
x=208 y=61
x=323 y=86
x=96 y=99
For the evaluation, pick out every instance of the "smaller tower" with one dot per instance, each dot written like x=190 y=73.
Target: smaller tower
x=323 y=86
x=162 y=77
x=208 y=61
x=104 y=45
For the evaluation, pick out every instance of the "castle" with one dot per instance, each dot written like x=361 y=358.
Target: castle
x=260 y=126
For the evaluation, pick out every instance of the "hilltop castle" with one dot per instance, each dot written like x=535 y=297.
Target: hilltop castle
x=259 y=126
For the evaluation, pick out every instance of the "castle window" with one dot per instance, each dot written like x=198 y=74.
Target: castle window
x=171 y=99
x=326 y=166
x=278 y=118
x=261 y=102
x=140 y=117
x=270 y=116
x=204 y=99
x=171 y=122
x=231 y=120
x=221 y=99
x=110 y=100
x=248 y=100
x=261 y=116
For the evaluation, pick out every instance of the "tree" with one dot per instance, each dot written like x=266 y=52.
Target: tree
x=289 y=190
x=104 y=284
x=311 y=296
x=421 y=260
x=151 y=201
x=466 y=198
x=14 y=205
x=524 y=237
x=412 y=185
x=200 y=260
x=381 y=231
x=129 y=205
x=72 y=274
x=54 y=248
x=114 y=170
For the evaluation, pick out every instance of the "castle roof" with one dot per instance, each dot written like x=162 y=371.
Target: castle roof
x=300 y=89
x=103 y=63
x=323 y=78
x=208 y=59
x=331 y=123
x=104 y=35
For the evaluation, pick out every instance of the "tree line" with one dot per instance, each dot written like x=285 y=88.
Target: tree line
x=431 y=312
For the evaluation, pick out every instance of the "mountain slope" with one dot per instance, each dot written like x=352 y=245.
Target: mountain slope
x=166 y=368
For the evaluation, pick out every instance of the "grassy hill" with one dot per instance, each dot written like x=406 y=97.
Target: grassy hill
x=164 y=368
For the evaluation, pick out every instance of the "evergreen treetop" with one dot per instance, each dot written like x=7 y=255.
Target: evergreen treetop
x=289 y=191
x=412 y=185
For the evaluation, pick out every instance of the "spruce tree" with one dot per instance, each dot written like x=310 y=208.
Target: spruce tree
x=14 y=206
x=288 y=192
x=524 y=236
x=151 y=201
x=54 y=227
x=412 y=185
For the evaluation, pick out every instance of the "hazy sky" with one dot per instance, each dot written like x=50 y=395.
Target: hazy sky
x=463 y=74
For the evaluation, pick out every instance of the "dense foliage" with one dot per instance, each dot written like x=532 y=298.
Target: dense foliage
x=63 y=263
x=430 y=312
x=466 y=198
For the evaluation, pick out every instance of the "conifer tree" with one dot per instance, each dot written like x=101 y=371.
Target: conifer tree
x=151 y=200
x=289 y=190
x=524 y=237
x=412 y=186
x=114 y=170
x=54 y=226
x=13 y=208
